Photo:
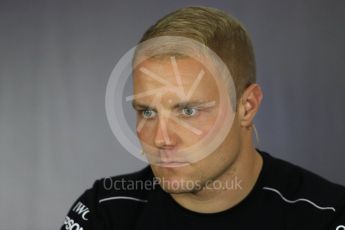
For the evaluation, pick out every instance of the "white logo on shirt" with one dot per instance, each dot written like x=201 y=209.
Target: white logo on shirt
x=81 y=209
x=71 y=225
x=340 y=227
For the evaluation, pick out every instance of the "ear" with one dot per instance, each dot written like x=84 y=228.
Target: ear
x=249 y=104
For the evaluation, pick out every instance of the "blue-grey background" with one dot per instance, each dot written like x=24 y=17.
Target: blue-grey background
x=55 y=60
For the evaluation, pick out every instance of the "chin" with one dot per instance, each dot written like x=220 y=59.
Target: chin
x=177 y=185
x=171 y=174
x=176 y=180
x=176 y=191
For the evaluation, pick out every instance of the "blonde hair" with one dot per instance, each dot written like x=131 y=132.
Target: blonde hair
x=218 y=31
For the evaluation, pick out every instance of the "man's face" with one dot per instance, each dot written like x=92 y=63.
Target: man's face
x=178 y=104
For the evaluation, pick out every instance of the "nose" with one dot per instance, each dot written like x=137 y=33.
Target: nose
x=164 y=136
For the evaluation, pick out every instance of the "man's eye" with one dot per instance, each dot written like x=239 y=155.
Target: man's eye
x=148 y=113
x=189 y=111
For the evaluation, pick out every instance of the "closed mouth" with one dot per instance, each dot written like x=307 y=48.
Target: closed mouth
x=172 y=164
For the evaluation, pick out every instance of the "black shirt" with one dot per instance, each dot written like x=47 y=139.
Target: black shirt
x=285 y=196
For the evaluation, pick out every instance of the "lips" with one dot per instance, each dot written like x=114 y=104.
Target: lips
x=169 y=158
x=172 y=164
x=167 y=152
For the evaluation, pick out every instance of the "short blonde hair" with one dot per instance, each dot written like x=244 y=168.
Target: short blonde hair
x=218 y=31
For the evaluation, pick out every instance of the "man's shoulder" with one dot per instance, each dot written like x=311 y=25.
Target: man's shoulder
x=294 y=184
x=118 y=196
x=129 y=185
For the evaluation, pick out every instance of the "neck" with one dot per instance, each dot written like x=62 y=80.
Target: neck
x=238 y=180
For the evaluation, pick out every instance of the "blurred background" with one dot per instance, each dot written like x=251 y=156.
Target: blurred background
x=55 y=61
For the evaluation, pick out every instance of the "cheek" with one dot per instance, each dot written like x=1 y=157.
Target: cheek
x=212 y=126
x=204 y=122
x=198 y=128
x=145 y=132
x=188 y=131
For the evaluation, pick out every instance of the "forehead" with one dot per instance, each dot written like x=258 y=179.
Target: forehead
x=174 y=79
x=173 y=69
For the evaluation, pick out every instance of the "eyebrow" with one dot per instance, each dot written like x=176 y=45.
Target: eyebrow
x=180 y=105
